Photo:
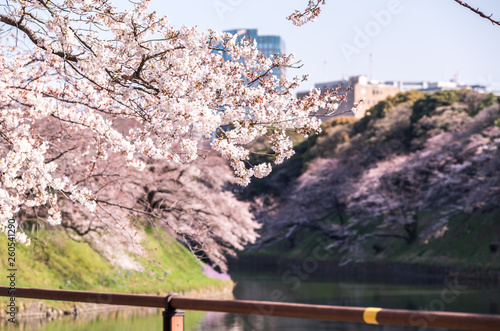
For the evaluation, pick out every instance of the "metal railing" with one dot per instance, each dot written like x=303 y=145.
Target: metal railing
x=173 y=316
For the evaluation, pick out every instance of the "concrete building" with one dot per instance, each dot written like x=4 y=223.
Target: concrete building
x=425 y=86
x=371 y=92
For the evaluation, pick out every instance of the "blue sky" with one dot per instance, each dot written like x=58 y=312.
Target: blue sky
x=419 y=40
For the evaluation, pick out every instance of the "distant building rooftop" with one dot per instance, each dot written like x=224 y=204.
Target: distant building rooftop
x=374 y=91
x=361 y=88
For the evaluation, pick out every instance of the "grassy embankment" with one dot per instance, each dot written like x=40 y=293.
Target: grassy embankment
x=462 y=240
x=58 y=262
x=463 y=243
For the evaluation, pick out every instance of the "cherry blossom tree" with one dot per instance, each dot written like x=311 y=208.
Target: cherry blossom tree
x=388 y=177
x=89 y=95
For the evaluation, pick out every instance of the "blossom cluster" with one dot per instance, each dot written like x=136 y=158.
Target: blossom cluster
x=91 y=81
x=309 y=14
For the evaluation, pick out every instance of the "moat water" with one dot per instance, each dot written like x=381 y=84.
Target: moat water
x=445 y=295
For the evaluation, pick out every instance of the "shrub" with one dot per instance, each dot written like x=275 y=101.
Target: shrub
x=488 y=100
x=427 y=105
x=383 y=107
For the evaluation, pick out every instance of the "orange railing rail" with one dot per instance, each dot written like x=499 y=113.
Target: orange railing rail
x=174 y=304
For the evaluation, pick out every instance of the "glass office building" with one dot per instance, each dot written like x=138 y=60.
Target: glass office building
x=268 y=45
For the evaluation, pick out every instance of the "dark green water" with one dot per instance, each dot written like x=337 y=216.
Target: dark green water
x=446 y=295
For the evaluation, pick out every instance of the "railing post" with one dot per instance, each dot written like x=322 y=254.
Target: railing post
x=173 y=319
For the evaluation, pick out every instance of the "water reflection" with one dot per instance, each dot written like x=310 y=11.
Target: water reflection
x=448 y=295
x=124 y=319
x=232 y=322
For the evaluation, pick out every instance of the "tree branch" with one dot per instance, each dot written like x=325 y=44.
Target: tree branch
x=33 y=37
x=477 y=11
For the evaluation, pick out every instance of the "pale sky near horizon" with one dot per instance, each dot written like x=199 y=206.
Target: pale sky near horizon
x=428 y=40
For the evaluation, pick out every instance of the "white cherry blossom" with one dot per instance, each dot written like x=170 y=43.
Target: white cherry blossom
x=86 y=89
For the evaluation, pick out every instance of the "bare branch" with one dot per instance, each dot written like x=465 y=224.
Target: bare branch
x=477 y=11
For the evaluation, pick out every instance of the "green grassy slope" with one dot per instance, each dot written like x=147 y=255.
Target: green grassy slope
x=463 y=242
x=61 y=263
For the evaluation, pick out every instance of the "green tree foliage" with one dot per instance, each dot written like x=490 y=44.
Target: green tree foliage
x=427 y=105
x=476 y=101
x=488 y=100
x=383 y=107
